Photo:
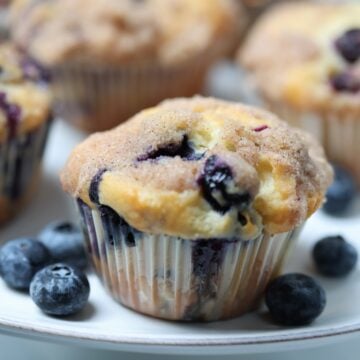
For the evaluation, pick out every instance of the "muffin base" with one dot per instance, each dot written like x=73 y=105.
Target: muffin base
x=20 y=164
x=176 y=279
x=338 y=133
x=99 y=98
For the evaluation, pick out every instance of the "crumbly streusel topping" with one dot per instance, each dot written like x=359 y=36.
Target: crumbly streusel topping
x=113 y=31
x=202 y=168
x=299 y=54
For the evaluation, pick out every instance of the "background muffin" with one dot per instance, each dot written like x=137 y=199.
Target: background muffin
x=24 y=120
x=309 y=72
x=4 y=21
x=112 y=58
x=190 y=207
x=254 y=8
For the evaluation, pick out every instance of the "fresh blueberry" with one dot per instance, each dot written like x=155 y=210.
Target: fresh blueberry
x=65 y=242
x=214 y=182
x=345 y=82
x=20 y=259
x=348 y=45
x=295 y=299
x=184 y=149
x=341 y=193
x=334 y=257
x=60 y=290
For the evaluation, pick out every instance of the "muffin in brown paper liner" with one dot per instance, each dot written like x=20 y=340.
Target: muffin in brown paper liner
x=99 y=98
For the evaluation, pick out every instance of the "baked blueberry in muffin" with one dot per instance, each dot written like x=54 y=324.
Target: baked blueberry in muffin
x=190 y=206
x=348 y=45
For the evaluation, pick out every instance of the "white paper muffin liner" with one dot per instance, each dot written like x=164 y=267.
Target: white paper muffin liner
x=177 y=279
x=20 y=163
x=99 y=98
x=339 y=134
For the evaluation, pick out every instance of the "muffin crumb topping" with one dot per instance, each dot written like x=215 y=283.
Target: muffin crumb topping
x=311 y=64
x=244 y=180
x=126 y=31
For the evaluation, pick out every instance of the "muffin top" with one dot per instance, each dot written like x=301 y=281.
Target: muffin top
x=113 y=31
x=308 y=56
x=24 y=97
x=202 y=168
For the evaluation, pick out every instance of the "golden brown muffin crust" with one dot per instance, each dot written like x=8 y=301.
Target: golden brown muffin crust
x=158 y=190
x=113 y=31
x=293 y=56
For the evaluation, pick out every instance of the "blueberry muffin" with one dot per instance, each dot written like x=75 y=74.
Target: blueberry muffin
x=24 y=121
x=113 y=58
x=309 y=72
x=190 y=207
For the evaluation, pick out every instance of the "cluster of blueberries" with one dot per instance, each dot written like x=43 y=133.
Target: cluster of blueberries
x=297 y=299
x=50 y=267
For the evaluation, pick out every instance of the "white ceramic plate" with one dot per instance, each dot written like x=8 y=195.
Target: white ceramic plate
x=106 y=324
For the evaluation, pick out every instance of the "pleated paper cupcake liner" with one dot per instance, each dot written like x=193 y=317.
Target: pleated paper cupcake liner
x=177 y=279
x=99 y=98
x=339 y=134
x=20 y=164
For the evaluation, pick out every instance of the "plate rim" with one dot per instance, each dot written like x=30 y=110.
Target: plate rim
x=70 y=334
x=12 y=326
